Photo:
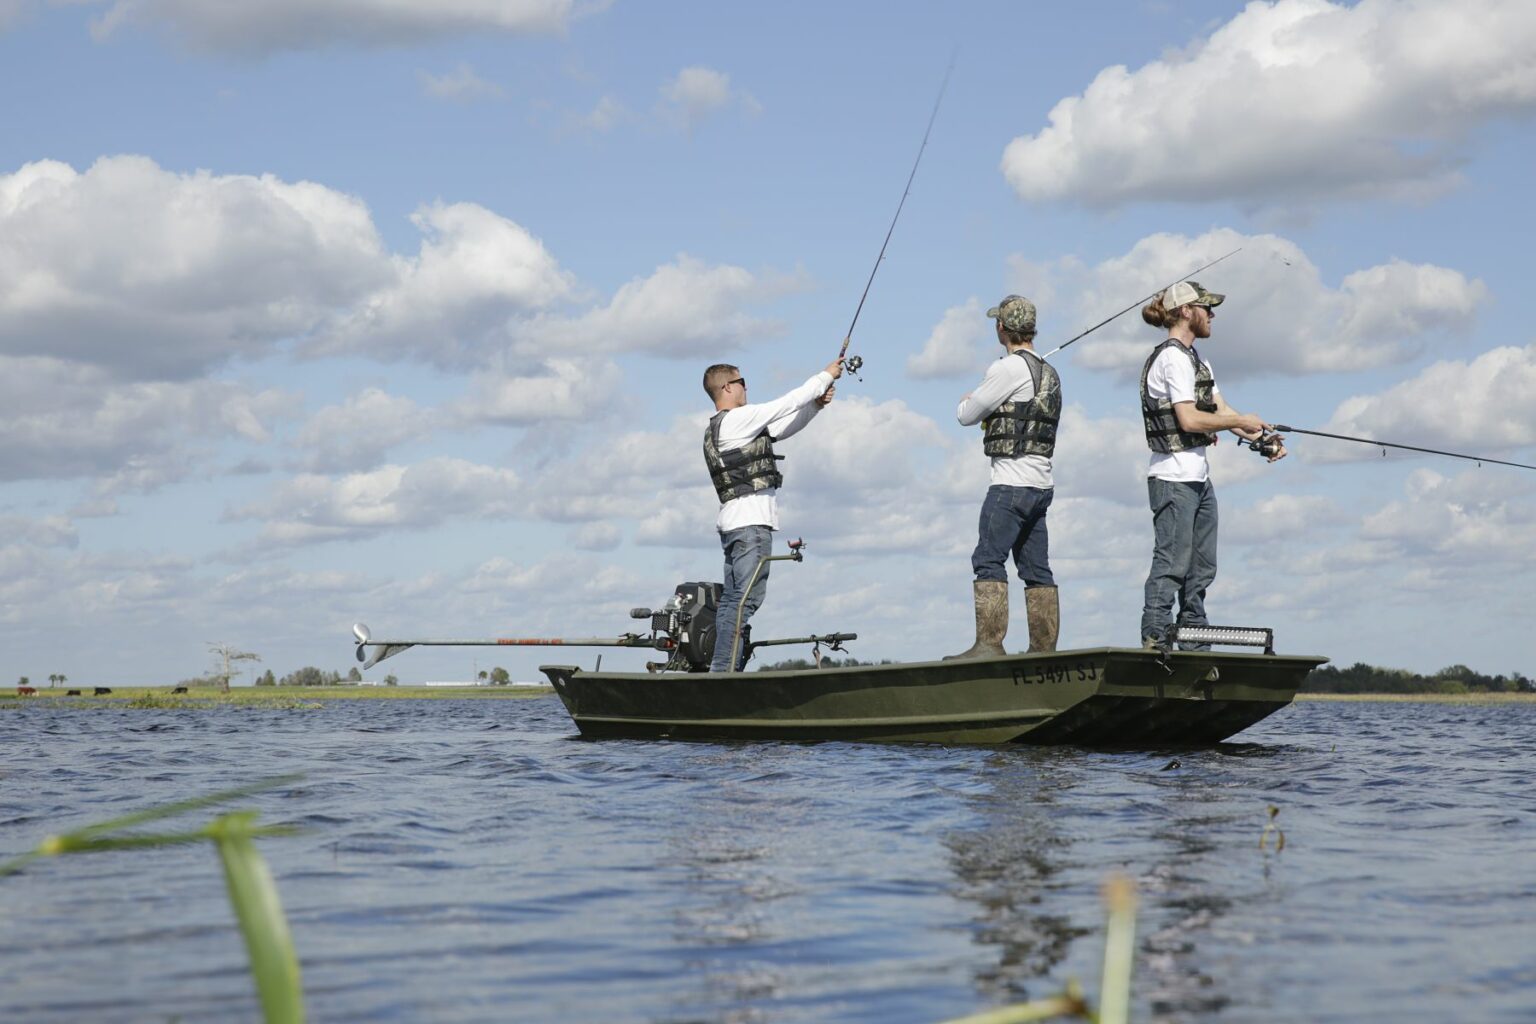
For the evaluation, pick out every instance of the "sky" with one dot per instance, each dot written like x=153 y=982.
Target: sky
x=315 y=312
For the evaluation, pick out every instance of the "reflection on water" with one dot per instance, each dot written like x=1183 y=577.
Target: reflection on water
x=470 y=861
x=1010 y=865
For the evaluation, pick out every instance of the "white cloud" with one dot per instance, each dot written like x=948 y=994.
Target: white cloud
x=631 y=477
x=45 y=532
x=311 y=508
x=1447 y=524
x=562 y=389
x=600 y=536
x=272 y=25
x=1285 y=518
x=159 y=275
x=699 y=92
x=954 y=347
x=476 y=273
x=11 y=10
x=1292 y=100
x=603 y=117
x=1481 y=407
x=459 y=84
x=684 y=308
x=64 y=420
x=1279 y=316
x=357 y=433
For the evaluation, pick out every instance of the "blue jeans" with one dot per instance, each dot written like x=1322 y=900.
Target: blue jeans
x=744 y=548
x=1013 y=520
x=1183 y=555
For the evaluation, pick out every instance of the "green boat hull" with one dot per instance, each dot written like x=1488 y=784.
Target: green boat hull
x=1103 y=696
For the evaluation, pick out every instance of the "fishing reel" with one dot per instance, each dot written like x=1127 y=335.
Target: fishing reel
x=853 y=364
x=1266 y=444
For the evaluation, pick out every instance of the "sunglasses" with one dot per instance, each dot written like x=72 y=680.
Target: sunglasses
x=739 y=380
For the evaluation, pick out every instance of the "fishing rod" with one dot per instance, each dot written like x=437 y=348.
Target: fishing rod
x=853 y=364
x=1140 y=302
x=1264 y=445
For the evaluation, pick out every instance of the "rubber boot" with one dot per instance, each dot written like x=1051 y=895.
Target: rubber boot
x=1043 y=609
x=746 y=648
x=991 y=620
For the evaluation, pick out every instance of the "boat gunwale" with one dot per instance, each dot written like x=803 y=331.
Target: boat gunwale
x=1155 y=657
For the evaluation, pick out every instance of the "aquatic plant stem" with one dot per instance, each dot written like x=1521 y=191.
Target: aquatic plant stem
x=1119 y=951
x=268 y=943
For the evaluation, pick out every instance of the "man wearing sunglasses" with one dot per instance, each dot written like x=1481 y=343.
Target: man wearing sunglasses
x=738 y=450
x=1181 y=410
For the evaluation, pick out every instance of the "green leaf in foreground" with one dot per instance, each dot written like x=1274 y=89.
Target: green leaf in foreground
x=252 y=892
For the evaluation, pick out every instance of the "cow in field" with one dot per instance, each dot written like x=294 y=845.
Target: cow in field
x=101 y=690
x=26 y=691
x=73 y=693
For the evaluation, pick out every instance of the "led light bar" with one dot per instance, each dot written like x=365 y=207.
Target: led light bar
x=1227 y=636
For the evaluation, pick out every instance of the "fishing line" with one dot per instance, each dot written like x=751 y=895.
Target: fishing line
x=856 y=362
x=1140 y=302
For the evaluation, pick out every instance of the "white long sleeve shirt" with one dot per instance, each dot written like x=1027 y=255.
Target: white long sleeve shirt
x=784 y=417
x=1006 y=380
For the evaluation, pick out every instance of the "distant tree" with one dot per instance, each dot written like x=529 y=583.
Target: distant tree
x=391 y=681
x=481 y=675
x=499 y=676
x=353 y=675
x=23 y=681
x=63 y=678
x=266 y=679
x=1363 y=678
x=306 y=676
x=53 y=679
x=225 y=655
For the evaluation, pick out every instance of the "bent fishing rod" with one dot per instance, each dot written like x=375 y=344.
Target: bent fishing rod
x=1264 y=445
x=853 y=364
x=1140 y=302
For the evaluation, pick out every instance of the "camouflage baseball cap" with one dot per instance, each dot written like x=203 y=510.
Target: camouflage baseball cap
x=1186 y=292
x=1015 y=313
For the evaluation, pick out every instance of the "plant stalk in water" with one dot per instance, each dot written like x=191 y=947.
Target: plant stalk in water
x=252 y=892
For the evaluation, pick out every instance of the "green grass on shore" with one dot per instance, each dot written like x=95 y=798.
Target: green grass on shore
x=274 y=696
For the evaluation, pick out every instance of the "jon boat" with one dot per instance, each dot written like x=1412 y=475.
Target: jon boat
x=1099 y=696
x=1096 y=696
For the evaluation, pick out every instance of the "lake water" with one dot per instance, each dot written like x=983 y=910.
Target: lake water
x=471 y=860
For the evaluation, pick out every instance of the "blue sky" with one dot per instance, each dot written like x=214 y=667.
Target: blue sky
x=331 y=311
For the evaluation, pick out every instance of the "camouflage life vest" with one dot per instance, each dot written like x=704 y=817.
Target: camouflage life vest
x=1157 y=416
x=1027 y=427
x=740 y=471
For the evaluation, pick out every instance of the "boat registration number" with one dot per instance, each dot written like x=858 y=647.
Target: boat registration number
x=1059 y=672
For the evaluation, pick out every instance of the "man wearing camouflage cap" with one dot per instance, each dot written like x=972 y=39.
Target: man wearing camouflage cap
x=1181 y=409
x=1018 y=404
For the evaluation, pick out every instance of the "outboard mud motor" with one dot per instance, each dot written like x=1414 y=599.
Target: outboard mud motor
x=688 y=618
x=684 y=629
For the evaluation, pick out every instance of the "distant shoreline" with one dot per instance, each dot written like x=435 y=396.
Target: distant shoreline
x=161 y=696
x=1426 y=698
x=158 y=696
